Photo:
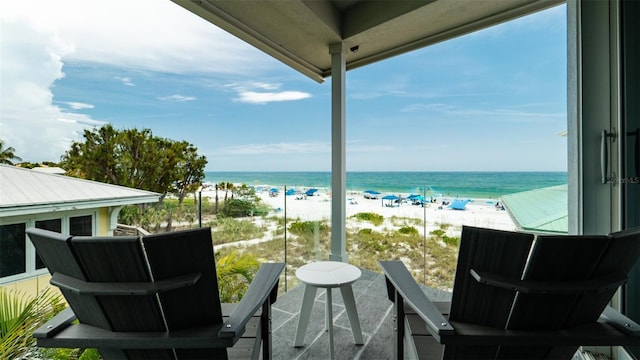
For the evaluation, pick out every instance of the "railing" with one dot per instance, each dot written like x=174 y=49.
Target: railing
x=420 y=230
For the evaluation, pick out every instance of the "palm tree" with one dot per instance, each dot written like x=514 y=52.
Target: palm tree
x=20 y=315
x=7 y=154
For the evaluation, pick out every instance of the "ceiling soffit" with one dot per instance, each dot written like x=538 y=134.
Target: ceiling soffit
x=299 y=32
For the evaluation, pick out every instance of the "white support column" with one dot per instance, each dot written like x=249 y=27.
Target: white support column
x=338 y=154
x=113 y=219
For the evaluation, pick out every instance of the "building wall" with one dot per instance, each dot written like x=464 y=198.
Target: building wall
x=33 y=281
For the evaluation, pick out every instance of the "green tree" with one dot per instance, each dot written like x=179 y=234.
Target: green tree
x=7 y=154
x=135 y=158
x=244 y=203
x=189 y=171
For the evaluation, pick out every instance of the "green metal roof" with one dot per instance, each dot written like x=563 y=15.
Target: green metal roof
x=540 y=210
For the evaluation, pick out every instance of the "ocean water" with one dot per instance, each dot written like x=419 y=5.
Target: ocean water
x=479 y=185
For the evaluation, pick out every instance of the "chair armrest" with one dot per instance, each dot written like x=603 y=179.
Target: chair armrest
x=620 y=322
x=402 y=281
x=122 y=288
x=597 y=285
x=55 y=325
x=259 y=292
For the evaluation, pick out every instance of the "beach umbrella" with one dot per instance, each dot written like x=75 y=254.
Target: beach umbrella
x=390 y=198
x=290 y=192
x=371 y=194
x=458 y=204
x=311 y=192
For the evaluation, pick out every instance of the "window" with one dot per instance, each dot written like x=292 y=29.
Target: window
x=51 y=225
x=81 y=226
x=18 y=258
x=12 y=249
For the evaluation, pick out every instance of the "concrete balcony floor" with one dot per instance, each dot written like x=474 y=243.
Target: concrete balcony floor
x=374 y=311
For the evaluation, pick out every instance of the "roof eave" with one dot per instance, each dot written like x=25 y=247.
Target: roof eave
x=221 y=19
x=75 y=205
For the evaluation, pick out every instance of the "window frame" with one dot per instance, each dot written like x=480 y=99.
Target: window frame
x=30 y=251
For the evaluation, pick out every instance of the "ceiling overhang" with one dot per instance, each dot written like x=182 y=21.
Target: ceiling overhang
x=299 y=32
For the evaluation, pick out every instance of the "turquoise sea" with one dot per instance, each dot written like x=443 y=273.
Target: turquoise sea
x=479 y=185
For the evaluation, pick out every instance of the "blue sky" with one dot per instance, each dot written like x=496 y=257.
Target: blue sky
x=494 y=100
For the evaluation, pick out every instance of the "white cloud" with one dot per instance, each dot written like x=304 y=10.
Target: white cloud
x=254 y=97
x=177 y=98
x=126 y=81
x=29 y=122
x=247 y=93
x=498 y=114
x=79 y=106
x=148 y=34
x=279 y=148
x=40 y=36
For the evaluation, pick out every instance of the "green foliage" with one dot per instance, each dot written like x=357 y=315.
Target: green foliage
x=7 y=154
x=20 y=315
x=451 y=240
x=307 y=227
x=405 y=221
x=441 y=235
x=226 y=230
x=261 y=209
x=408 y=230
x=237 y=208
x=137 y=159
x=235 y=273
x=375 y=219
x=437 y=232
x=90 y=354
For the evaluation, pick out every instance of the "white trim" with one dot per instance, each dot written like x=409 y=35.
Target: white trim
x=30 y=251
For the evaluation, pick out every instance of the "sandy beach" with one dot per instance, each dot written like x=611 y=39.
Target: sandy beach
x=477 y=212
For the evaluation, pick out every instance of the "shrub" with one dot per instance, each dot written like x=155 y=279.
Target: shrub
x=375 y=219
x=408 y=230
x=237 y=208
x=235 y=273
x=307 y=227
x=226 y=230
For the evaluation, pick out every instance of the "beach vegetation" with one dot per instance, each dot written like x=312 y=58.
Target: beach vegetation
x=308 y=227
x=431 y=260
x=245 y=202
x=408 y=230
x=375 y=219
x=226 y=230
x=441 y=235
x=8 y=154
x=405 y=221
x=236 y=208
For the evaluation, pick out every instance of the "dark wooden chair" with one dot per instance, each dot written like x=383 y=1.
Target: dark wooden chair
x=516 y=296
x=152 y=297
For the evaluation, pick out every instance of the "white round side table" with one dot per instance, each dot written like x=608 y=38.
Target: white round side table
x=328 y=275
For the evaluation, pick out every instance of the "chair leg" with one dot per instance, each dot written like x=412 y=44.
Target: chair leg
x=265 y=330
x=305 y=312
x=329 y=322
x=352 y=312
x=398 y=326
